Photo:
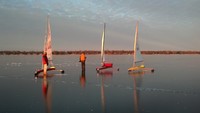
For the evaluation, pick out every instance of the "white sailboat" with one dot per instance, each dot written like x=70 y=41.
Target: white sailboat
x=104 y=64
x=48 y=49
x=138 y=63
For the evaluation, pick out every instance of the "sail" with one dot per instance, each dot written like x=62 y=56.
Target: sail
x=102 y=45
x=137 y=54
x=48 y=47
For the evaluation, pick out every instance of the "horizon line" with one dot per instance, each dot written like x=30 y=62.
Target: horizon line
x=94 y=52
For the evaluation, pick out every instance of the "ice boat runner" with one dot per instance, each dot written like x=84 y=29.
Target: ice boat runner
x=138 y=63
x=48 y=50
x=104 y=64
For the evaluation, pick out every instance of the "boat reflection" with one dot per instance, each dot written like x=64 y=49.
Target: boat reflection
x=43 y=77
x=46 y=90
x=104 y=75
x=137 y=81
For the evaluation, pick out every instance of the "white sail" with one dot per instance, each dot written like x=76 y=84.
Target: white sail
x=137 y=53
x=102 y=45
x=48 y=47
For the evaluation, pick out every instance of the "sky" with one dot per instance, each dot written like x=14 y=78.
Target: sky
x=78 y=24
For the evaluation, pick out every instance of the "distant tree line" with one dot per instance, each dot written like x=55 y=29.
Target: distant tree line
x=93 y=52
x=170 y=52
x=20 y=52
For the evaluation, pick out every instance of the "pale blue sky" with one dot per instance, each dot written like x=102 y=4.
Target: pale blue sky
x=78 y=24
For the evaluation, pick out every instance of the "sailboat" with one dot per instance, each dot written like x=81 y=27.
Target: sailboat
x=48 y=49
x=138 y=63
x=104 y=64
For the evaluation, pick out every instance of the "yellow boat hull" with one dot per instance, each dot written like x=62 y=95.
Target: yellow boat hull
x=139 y=68
x=134 y=68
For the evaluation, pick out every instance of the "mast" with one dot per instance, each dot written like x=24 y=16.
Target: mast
x=45 y=41
x=102 y=45
x=137 y=54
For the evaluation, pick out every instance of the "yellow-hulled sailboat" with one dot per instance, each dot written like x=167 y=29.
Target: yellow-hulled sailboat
x=138 y=63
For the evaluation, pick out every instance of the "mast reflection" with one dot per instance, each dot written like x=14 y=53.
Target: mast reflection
x=137 y=81
x=46 y=90
x=104 y=75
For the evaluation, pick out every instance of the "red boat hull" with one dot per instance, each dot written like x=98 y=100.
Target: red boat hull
x=105 y=66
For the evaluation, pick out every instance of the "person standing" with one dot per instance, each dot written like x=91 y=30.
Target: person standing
x=82 y=60
x=45 y=63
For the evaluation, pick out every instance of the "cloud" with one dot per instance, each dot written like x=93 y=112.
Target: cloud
x=168 y=11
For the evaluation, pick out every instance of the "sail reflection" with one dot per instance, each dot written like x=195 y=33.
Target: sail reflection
x=46 y=90
x=137 y=81
x=104 y=75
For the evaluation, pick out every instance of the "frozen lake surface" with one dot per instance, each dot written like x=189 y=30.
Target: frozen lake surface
x=174 y=87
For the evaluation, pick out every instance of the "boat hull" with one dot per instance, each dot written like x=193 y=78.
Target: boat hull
x=105 y=65
x=139 y=69
x=48 y=69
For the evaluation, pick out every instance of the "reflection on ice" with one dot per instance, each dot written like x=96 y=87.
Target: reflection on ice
x=171 y=91
x=14 y=64
x=110 y=92
x=46 y=90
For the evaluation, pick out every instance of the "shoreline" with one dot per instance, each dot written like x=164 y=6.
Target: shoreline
x=93 y=52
